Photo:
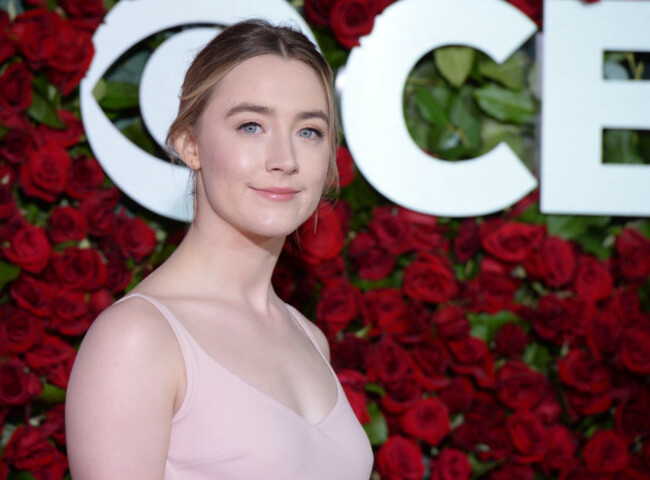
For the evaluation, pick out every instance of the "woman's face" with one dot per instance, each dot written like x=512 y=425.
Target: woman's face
x=262 y=147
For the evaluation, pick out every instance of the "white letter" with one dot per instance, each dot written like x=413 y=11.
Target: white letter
x=578 y=104
x=373 y=115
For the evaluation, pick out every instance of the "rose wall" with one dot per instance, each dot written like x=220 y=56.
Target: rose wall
x=511 y=346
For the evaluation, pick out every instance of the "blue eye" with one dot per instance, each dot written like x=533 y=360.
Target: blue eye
x=250 y=128
x=310 y=133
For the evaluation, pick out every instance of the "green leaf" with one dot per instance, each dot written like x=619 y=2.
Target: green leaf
x=466 y=116
x=335 y=55
x=430 y=109
x=620 y=147
x=571 y=227
x=129 y=69
x=51 y=394
x=8 y=273
x=511 y=73
x=119 y=96
x=377 y=430
x=537 y=356
x=615 y=71
x=485 y=326
x=135 y=131
x=480 y=468
x=454 y=63
x=43 y=111
x=21 y=475
x=506 y=105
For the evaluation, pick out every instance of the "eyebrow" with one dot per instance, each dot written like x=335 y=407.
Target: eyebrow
x=249 y=107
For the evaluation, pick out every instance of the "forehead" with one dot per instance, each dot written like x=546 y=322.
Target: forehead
x=270 y=80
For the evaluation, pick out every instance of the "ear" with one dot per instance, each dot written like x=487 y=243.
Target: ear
x=187 y=149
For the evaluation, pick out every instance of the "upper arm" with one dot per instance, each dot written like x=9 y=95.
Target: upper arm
x=120 y=399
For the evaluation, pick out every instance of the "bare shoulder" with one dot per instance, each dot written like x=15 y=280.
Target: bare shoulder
x=321 y=340
x=124 y=384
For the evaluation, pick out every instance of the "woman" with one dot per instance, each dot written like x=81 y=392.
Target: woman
x=202 y=371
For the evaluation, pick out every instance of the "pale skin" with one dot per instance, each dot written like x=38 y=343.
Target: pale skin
x=261 y=155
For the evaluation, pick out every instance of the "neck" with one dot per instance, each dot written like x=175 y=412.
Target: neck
x=230 y=266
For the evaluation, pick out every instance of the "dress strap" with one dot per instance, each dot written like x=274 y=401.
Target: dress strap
x=187 y=349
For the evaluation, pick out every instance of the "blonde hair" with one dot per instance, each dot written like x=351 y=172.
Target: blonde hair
x=231 y=47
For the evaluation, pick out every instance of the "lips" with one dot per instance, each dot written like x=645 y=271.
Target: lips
x=276 y=193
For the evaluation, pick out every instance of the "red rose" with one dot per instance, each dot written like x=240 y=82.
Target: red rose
x=64 y=137
x=603 y=333
x=17 y=144
x=512 y=471
x=32 y=295
x=401 y=395
x=70 y=313
x=52 y=358
x=351 y=19
x=98 y=209
x=45 y=173
x=510 y=241
x=427 y=420
x=80 y=269
x=493 y=291
x=561 y=449
x=37 y=32
x=83 y=8
x=118 y=275
x=558 y=261
x=634 y=349
x=510 y=340
x=384 y=308
x=578 y=370
x=7 y=45
x=353 y=384
x=605 y=452
x=321 y=237
x=29 y=249
x=351 y=352
x=84 y=178
x=344 y=164
x=390 y=230
x=28 y=449
x=473 y=358
x=451 y=464
x=376 y=263
x=430 y=362
x=587 y=404
x=518 y=386
x=67 y=224
x=16 y=88
x=318 y=11
x=99 y=301
x=7 y=202
x=400 y=459
x=467 y=242
x=593 y=281
x=528 y=435
x=634 y=255
x=19 y=331
x=54 y=424
x=430 y=278
x=135 y=238
x=553 y=315
x=633 y=416
x=72 y=58
x=388 y=362
x=338 y=305
x=457 y=395
x=451 y=323
x=17 y=385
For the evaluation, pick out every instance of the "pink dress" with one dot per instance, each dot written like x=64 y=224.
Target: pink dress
x=226 y=429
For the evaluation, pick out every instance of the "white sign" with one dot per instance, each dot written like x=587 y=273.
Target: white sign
x=373 y=121
x=578 y=104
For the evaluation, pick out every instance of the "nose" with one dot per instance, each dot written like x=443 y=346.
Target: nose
x=281 y=153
